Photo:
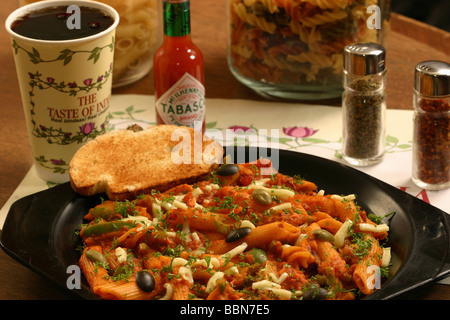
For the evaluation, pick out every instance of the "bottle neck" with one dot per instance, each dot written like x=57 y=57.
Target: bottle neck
x=176 y=18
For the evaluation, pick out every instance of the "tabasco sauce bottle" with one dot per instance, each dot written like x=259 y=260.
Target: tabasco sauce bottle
x=178 y=70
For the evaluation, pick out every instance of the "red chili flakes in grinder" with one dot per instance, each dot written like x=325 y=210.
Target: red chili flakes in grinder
x=431 y=140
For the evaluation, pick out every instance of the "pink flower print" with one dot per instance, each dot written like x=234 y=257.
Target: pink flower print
x=239 y=128
x=87 y=128
x=57 y=162
x=100 y=78
x=299 y=132
x=31 y=75
x=50 y=80
x=72 y=84
x=43 y=128
x=87 y=81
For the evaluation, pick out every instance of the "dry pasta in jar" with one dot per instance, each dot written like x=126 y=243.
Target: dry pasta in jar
x=293 y=48
x=137 y=38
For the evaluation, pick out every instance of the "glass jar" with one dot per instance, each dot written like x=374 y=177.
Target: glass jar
x=431 y=135
x=364 y=104
x=294 y=49
x=137 y=38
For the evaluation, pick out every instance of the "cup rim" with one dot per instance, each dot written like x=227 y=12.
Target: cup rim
x=19 y=12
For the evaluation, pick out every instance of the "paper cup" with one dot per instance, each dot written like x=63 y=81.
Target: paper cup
x=65 y=88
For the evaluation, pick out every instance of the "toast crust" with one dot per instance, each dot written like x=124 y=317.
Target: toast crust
x=124 y=164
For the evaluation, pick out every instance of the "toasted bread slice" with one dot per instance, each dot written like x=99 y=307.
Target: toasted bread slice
x=126 y=163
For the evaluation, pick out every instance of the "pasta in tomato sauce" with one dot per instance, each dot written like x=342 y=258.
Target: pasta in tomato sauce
x=245 y=235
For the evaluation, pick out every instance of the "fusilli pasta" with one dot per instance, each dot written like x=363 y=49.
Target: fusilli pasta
x=295 y=42
x=322 y=18
x=329 y=4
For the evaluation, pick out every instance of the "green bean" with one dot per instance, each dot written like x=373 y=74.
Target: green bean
x=221 y=227
x=101 y=212
x=102 y=228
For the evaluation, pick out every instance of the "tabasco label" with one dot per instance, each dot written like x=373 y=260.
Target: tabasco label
x=184 y=103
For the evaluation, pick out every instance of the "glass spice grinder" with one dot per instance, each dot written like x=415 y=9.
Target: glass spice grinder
x=431 y=133
x=364 y=104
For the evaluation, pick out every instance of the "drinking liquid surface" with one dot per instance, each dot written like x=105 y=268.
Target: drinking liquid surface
x=56 y=24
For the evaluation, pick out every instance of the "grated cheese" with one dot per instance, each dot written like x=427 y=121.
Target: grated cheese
x=264 y=284
x=180 y=205
x=144 y=221
x=186 y=274
x=386 y=259
x=273 y=287
x=121 y=254
x=212 y=282
x=197 y=191
x=247 y=223
x=179 y=262
x=214 y=263
x=280 y=279
x=195 y=236
x=349 y=197
x=342 y=234
x=283 y=194
x=212 y=186
x=235 y=251
x=283 y=206
x=373 y=228
x=169 y=292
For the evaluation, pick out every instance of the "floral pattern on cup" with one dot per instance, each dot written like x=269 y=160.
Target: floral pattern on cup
x=55 y=165
x=71 y=87
x=64 y=55
x=55 y=135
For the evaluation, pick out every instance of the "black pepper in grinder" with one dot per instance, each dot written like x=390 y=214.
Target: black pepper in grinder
x=431 y=134
x=364 y=104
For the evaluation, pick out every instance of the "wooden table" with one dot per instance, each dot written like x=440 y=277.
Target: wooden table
x=410 y=42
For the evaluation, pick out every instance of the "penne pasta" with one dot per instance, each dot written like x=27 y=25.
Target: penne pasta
x=247 y=236
x=330 y=224
x=365 y=271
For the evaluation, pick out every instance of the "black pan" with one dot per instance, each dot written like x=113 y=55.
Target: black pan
x=40 y=229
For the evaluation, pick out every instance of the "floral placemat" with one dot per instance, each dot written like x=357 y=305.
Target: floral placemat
x=312 y=129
